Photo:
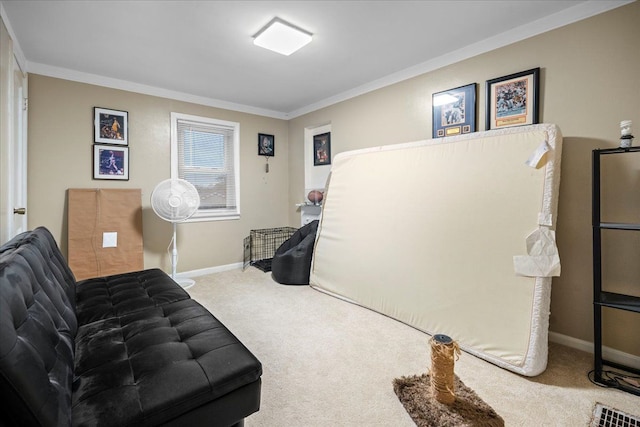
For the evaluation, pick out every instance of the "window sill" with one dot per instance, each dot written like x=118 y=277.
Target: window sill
x=205 y=218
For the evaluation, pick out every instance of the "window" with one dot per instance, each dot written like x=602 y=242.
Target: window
x=205 y=152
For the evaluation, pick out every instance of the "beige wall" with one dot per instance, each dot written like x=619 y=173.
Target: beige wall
x=60 y=157
x=590 y=81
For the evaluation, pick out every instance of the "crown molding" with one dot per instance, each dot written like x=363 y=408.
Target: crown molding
x=98 y=80
x=568 y=16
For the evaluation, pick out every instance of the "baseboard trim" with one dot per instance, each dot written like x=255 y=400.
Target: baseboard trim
x=210 y=270
x=608 y=353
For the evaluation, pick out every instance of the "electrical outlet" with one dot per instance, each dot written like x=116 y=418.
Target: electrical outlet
x=110 y=239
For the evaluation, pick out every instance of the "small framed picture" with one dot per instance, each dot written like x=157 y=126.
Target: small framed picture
x=266 y=145
x=513 y=100
x=110 y=126
x=110 y=162
x=322 y=149
x=454 y=111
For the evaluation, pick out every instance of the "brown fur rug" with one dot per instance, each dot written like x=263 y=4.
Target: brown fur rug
x=468 y=410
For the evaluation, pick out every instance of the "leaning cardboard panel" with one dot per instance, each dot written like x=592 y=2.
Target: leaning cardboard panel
x=105 y=231
x=438 y=234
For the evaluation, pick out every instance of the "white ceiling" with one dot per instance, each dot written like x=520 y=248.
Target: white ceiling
x=202 y=51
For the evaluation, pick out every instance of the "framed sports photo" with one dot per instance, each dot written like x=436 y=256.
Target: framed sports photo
x=513 y=100
x=266 y=145
x=454 y=111
x=110 y=162
x=322 y=149
x=110 y=126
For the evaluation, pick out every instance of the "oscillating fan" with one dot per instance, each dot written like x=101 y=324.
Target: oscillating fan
x=175 y=200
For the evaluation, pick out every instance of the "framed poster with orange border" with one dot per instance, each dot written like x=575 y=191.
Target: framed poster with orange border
x=513 y=100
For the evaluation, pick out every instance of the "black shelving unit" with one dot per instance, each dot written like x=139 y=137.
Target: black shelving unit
x=602 y=298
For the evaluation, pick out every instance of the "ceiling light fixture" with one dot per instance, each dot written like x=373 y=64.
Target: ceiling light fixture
x=282 y=37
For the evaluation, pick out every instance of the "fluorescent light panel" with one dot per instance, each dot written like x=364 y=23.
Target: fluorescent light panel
x=282 y=37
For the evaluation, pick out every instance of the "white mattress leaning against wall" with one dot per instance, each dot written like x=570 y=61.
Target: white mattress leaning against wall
x=443 y=246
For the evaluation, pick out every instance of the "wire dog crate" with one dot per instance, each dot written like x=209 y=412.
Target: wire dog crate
x=261 y=245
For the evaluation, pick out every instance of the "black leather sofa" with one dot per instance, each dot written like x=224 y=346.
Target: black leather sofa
x=126 y=350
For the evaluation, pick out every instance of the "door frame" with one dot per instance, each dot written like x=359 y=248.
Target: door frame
x=13 y=138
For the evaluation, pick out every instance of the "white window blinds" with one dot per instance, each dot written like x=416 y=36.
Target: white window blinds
x=205 y=153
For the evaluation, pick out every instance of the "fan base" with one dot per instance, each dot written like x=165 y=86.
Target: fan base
x=185 y=283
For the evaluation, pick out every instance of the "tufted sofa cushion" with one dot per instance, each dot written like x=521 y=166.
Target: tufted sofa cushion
x=40 y=240
x=111 y=296
x=155 y=364
x=37 y=330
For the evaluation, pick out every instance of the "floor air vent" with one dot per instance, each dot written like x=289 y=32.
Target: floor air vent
x=604 y=416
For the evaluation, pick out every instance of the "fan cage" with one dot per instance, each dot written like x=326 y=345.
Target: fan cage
x=175 y=190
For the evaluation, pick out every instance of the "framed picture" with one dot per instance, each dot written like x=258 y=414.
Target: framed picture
x=110 y=162
x=110 y=126
x=322 y=149
x=513 y=100
x=454 y=111
x=266 y=145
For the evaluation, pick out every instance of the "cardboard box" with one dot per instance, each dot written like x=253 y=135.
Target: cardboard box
x=105 y=231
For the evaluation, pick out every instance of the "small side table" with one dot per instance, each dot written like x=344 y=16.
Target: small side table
x=309 y=212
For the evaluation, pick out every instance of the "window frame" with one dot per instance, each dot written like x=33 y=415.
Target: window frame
x=208 y=214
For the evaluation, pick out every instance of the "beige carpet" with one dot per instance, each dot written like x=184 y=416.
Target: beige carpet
x=330 y=363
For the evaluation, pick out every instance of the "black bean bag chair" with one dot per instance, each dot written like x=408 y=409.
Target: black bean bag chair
x=291 y=263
